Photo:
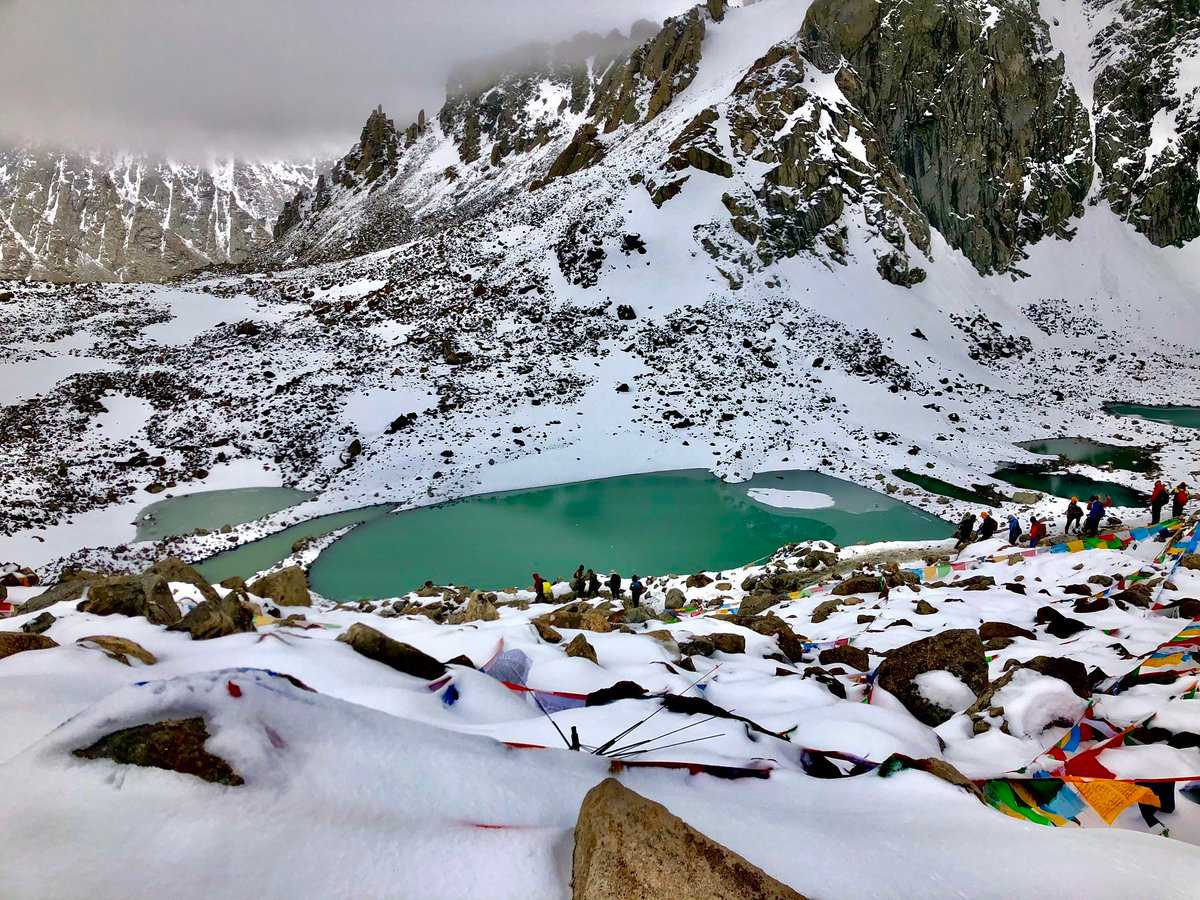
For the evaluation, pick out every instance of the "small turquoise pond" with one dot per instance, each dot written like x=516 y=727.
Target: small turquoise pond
x=1183 y=416
x=174 y=516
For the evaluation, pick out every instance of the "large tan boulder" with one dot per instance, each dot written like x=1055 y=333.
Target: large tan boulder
x=614 y=859
x=477 y=609
x=118 y=648
x=12 y=642
x=287 y=587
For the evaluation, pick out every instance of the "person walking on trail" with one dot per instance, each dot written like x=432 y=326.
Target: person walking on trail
x=1014 y=529
x=987 y=526
x=1074 y=514
x=1179 y=501
x=593 y=584
x=1037 y=531
x=1158 y=499
x=966 y=529
x=636 y=589
x=538 y=588
x=1095 y=512
x=614 y=585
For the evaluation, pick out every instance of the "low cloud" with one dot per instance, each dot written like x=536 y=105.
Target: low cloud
x=256 y=77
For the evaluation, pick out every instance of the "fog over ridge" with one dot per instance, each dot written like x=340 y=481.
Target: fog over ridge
x=196 y=79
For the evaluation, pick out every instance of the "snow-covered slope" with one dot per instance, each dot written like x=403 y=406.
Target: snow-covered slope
x=356 y=755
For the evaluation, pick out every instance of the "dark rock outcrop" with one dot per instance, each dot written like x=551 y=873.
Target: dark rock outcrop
x=132 y=595
x=175 y=744
x=396 y=655
x=216 y=618
x=959 y=652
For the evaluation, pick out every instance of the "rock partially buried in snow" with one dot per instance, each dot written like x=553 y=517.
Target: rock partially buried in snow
x=727 y=642
x=70 y=587
x=958 y=651
x=858 y=584
x=396 y=655
x=615 y=856
x=12 y=643
x=175 y=570
x=580 y=647
x=119 y=648
x=287 y=587
x=132 y=595
x=39 y=625
x=855 y=657
x=175 y=744
x=477 y=609
x=216 y=618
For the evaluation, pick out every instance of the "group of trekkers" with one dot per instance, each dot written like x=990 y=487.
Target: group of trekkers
x=586 y=585
x=1084 y=523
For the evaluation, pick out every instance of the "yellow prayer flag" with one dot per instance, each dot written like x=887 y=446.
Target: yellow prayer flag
x=1111 y=798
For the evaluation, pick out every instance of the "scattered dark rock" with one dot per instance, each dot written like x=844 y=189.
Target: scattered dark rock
x=854 y=657
x=39 y=625
x=728 y=642
x=287 y=587
x=990 y=630
x=71 y=586
x=1057 y=624
x=622 y=690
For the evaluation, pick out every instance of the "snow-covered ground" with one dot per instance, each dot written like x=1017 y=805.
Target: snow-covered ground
x=380 y=771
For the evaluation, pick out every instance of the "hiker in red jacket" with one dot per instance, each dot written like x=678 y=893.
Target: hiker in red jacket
x=1179 y=501
x=1158 y=499
x=1037 y=530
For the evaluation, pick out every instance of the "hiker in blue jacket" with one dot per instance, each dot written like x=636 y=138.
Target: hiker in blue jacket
x=636 y=589
x=1014 y=529
x=1091 y=526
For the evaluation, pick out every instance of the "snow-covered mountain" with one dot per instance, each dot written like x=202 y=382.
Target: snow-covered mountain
x=989 y=122
x=110 y=217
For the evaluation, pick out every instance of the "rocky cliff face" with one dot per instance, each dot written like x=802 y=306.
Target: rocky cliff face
x=1147 y=117
x=970 y=103
x=69 y=217
x=890 y=119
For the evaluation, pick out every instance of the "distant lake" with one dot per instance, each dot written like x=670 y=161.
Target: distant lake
x=1183 y=416
x=174 y=516
x=678 y=522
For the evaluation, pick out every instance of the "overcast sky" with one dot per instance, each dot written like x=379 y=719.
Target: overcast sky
x=255 y=77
